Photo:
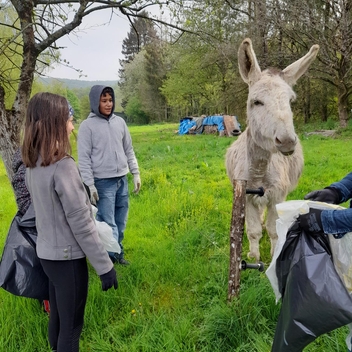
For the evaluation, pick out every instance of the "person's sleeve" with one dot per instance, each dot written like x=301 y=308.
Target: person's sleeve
x=345 y=187
x=84 y=146
x=337 y=222
x=129 y=151
x=78 y=212
x=23 y=198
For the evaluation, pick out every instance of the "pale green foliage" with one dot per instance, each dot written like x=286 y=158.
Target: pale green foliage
x=188 y=83
x=202 y=80
x=134 y=87
x=135 y=77
x=11 y=55
x=10 y=62
x=118 y=99
x=134 y=111
x=85 y=107
x=75 y=103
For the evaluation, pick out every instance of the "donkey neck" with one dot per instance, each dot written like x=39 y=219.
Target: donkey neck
x=258 y=158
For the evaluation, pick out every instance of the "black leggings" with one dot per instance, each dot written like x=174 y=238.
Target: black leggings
x=68 y=288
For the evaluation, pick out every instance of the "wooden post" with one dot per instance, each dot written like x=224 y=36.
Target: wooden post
x=236 y=234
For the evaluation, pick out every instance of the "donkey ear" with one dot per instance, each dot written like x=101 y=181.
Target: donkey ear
x=247 y=62
x=294 y=71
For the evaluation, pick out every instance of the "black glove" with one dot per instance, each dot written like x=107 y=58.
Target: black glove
x=311 y=223
x=328 y=195
x=109 y=280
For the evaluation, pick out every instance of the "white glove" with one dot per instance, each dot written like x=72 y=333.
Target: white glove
x=93 y=194
x=137 y=183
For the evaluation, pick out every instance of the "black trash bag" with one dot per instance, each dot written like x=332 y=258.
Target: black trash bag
x=21 y=272
x=314 y=299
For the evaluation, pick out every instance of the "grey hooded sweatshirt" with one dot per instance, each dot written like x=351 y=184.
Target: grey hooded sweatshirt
x=104 y=143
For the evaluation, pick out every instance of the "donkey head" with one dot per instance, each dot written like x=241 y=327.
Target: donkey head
x=269 y=114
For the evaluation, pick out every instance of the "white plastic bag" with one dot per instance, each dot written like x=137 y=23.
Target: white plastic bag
x=105 y=233
x=341 y=248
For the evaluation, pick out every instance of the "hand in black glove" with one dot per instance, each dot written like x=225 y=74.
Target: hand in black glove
x=109 y=280
x=311 y=223
x=328 y=195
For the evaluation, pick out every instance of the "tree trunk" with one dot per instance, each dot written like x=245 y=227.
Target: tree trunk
x=11 y=120
x=324 y=104
x=261 y=23
x=307 y=101
x=343 y=106
x=9 y=136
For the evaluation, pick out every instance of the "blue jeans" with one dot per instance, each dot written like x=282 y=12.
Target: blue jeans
x=113 y=206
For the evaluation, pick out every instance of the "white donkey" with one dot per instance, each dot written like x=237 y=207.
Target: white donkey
x=268 y=153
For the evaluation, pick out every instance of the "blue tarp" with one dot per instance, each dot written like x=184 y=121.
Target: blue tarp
x=197 y=123
x=214 y=120
x=186 y=124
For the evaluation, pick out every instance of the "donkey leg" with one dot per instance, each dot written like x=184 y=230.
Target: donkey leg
x=271 y=227
x=254 y=230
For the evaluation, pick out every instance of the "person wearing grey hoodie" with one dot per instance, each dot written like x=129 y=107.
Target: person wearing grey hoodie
x=105 y=156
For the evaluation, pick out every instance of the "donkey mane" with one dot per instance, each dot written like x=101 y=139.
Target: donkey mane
x=272 y=71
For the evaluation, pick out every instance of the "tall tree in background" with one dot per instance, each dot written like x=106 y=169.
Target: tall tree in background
x=141 y=33
x=134 y=85
x=156 y=67
x=142 y=72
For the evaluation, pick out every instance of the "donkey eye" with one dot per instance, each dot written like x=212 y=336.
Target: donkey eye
x=258 y=102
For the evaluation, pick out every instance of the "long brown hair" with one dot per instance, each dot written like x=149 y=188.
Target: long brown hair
x=45 y=131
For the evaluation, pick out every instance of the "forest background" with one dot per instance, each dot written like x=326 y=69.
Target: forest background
x=186 y=66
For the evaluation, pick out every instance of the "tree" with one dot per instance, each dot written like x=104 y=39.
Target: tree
x=134 y=86
x=37 y=26
x=141 y=33
x=134 y=111
x=203 y=69
x=328 y=23
x=155 y=66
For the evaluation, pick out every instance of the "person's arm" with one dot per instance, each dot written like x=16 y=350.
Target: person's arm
x=84 y=148
x=129 y=151
x=336 y=222
x=344 y=187
x=23 y=198
x=336 y=193
x=131 y=159
x=78 y=213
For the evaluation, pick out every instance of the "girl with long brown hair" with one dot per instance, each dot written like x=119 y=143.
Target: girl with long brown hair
x=66 y=230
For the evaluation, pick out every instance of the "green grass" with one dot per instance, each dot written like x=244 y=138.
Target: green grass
x=173 y=296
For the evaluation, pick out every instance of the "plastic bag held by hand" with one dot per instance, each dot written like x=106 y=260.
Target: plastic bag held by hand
x=105 y=234
x=288 y=212
x=109 y=280
x=21 y=272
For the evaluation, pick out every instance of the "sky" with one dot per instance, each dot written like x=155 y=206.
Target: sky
x=95 y=49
